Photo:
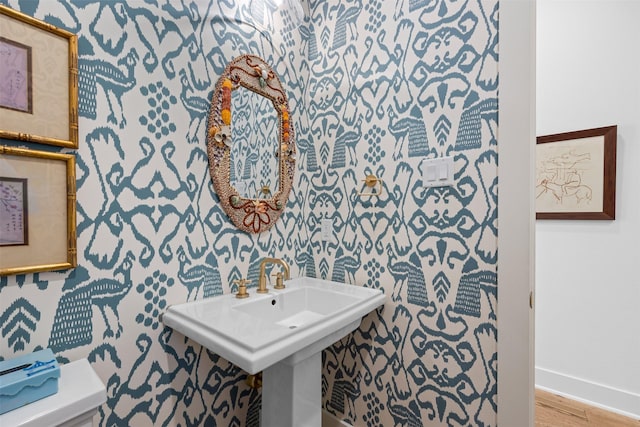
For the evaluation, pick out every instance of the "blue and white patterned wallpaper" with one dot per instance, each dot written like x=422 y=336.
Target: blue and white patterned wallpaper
x=374 y=87
x=392 y=83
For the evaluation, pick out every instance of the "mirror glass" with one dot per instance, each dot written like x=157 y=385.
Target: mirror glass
x=255 y=133
x=251 y=144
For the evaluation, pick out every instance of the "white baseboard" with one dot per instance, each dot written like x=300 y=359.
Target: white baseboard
x=611 y=399
x=328 y=420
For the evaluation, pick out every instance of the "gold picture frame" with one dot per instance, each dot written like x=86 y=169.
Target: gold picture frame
x=37 y=211
x=38 y=81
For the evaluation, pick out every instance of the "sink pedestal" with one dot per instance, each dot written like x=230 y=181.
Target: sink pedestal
x=292 y=387
x=292 y=393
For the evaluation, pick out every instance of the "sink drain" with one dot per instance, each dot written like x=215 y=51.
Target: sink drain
x=292 y=327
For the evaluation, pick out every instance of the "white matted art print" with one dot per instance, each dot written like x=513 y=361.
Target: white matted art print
x=575 y=175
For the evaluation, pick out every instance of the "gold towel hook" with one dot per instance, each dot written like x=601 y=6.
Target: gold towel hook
x=265 y=190
x=371 y=181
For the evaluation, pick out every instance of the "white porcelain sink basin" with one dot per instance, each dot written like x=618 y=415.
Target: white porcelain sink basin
x=281 y=333
x=281 y=326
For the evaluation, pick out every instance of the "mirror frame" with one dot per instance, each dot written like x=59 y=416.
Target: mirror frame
x=253 y=73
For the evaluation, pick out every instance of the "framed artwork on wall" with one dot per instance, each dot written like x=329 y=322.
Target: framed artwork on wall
x=14 y=211
x=37 y=211
x=38 y=81
x=576 y=174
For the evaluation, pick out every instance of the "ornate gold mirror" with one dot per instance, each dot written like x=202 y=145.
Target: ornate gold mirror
x=251 y=144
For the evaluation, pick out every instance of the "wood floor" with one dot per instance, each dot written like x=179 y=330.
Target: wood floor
x=558 y=411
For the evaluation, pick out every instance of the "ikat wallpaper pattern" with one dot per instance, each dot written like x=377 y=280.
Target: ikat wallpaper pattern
x=374 y=87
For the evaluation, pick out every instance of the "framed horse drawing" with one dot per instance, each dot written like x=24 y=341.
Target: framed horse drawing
x=576 y=174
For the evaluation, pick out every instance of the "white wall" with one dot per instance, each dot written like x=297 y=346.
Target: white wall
x=515 y=207
x=588 y=290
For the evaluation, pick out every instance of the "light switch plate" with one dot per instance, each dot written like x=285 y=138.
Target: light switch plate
x=326 y=229
x=438 y=172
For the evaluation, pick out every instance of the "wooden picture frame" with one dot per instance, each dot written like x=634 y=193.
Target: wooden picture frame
x=38 y=81
x=576 y=175
x=37 y=211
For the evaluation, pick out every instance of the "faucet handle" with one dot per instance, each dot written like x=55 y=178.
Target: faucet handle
x=279 y=281
x=242 y=287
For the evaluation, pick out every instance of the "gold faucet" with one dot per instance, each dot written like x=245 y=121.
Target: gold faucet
x=242 y=287
x=262 y=278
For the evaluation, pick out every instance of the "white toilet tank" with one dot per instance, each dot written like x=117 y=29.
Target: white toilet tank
x=80 y=393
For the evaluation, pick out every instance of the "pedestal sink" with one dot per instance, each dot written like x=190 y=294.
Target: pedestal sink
x=281 y=333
